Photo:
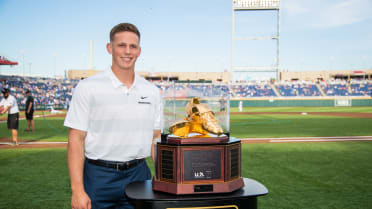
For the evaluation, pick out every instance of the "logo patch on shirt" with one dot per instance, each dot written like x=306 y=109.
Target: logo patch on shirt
x=143 y=100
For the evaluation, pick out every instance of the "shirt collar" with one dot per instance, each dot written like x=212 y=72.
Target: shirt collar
x=118 y=84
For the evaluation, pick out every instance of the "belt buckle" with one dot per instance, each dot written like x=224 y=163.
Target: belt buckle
x=124 y=166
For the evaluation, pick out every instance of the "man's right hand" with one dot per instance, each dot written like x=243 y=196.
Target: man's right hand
x=80 y=200
x=75 y=160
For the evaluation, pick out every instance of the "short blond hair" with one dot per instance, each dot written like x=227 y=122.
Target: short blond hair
x=122 y=27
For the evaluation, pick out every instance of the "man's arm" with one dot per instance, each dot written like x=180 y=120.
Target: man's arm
x=157 y=134
x=29 y=107
x=5 y=109
x=75 y=160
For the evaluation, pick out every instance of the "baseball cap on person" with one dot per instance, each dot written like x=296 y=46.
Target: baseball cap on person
x=5 y=90
x=28 y=91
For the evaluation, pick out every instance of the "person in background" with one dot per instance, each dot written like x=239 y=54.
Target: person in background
x=9 y=104
x=29 y=111
x=114 y=119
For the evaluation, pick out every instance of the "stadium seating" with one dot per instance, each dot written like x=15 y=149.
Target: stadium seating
x=361 y=89
x=335 y=89
x=58 y=92
x=253 y=90
x=46 y=91
x=298 y=89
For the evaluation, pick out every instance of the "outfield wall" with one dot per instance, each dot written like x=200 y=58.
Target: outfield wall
x=269 y=102
x=301 y=102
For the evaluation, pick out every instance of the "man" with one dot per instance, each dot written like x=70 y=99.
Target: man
x=29 y=111
x=114 y=119
x=9 y=104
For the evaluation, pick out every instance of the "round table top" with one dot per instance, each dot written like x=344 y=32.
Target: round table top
x=143 y=191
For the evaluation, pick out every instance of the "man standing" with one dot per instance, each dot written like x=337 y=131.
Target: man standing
x=114 y=119
x=9 y=104
x=29 y=111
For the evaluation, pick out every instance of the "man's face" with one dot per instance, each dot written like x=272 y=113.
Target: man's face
x=125 y=50
x=6 y=95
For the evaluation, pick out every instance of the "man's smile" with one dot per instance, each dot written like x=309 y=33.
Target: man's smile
x=127 y=58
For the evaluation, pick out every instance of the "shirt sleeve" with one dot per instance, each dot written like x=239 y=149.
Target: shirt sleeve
x=8 y=102
x=78 y=113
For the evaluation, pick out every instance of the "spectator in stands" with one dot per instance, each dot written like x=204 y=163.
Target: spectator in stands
x=29 y=111
x=114 y=117
x=9 y=104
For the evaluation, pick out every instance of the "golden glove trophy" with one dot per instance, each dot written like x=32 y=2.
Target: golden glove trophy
x=196 y=154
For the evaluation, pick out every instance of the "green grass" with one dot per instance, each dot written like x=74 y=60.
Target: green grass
x=34 y=178
x=297 y=175
x=311 y=175
x=304 y=109
x=258 y=126
x=46 y=129
x=242 y=126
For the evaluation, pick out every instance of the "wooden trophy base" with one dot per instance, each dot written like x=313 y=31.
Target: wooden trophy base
x=180 y=189
x=198 y=165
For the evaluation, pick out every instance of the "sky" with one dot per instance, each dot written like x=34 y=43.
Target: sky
x=48 y=37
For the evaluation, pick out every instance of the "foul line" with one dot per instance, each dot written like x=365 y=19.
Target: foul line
x=25 y=143
x=267 y=140
x=310 y=139
x=318 y=140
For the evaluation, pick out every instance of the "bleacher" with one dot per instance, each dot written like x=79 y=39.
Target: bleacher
x=46 y=91
x=56 y=92
x=298 y=90
x=361 y=89
x=253 y=90
x=335 y=89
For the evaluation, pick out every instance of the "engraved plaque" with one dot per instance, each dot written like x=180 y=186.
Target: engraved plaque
x=234 y=163
x=202 y=165
x=167 y=168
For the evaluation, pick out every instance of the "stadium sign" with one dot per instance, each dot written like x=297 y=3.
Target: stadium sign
x=256 y=4
x=360 y=72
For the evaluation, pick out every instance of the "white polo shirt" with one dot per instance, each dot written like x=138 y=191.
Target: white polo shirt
x=119 y=121
x=12 y=102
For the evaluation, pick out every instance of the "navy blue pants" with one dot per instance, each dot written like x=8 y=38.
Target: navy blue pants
x=106 y=186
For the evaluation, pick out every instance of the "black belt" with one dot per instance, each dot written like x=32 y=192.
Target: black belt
x=117 y=165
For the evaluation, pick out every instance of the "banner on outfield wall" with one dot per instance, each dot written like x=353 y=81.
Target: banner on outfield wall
x=343 y=102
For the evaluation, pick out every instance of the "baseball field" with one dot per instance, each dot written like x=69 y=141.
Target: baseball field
x=331 y=170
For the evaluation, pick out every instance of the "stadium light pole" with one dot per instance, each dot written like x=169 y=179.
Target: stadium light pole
x=55 y=64
x=255 y=5
x=29 y=68
x=23 y=62
x=91 y=57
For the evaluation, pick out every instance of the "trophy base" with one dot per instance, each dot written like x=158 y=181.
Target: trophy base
x=198 y=165
x=180 y=189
